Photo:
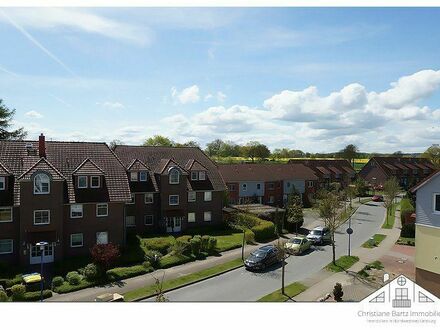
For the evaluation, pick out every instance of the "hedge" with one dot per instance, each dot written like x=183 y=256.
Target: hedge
x=174 y=260
x=264 y=230
x=408 y=231
x=121 y=273
x=66 y=287
x=160 y=244
x=406 y=209
x=35 y=296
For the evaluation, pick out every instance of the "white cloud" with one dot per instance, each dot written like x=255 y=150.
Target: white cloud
x=33 y=114
x=208 y=97
x=221 y=97
x=111 y=105
x=187 y=95
x=55 y=19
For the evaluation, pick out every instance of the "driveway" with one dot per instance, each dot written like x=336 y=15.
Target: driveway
x=241 y=285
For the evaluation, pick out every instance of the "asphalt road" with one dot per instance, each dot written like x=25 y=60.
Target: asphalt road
x=242 y=285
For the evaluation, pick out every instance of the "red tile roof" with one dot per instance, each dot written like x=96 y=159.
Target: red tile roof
x=265 y=172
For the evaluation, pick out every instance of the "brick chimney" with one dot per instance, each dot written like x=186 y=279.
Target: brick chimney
x=42 y=146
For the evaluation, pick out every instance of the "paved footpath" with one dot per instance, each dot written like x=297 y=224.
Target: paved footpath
x=322 y=283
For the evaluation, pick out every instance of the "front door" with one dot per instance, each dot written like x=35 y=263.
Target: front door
x=48 y=254
x=174 y=224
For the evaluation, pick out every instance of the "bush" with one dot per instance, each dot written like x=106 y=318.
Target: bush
x=212 y=244
x=153 y=257
x=146 y=265
x=173 y=260
x=18 y=291
x=73 y=278
x=204 y=243
x=105 y=255
x=408 y=231
x=196 y=244
x=3 y=296
x=249 y=236
x=91 y=272
x=264 y=230
x=57 y=281
x=179 y=247
x=66 y=287
x=161 y=244
x=406 y=209
x=126 y=272
x=35 y=296
x=18 y=279
x=184 y=238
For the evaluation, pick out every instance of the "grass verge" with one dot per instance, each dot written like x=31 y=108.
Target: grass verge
x=389 y=221
x=406 y=241
x=342 y=264
x=290 y=291
x=377 y=239
x=183 y=280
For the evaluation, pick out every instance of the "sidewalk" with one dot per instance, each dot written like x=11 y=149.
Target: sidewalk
x=356 y=288
x=133 y=283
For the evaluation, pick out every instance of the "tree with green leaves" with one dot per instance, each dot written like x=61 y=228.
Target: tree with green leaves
x=190 y=143
x=255 y=149
x=350 y=192
x=361 y=187
x=328 y=205
x=391 y=189
x=294 y=211
x=159 y=141
x=213 y=148
x=350 y=152
x=433 y=154
x=6 y=116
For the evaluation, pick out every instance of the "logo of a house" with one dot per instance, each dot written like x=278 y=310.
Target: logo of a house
x=401 y=293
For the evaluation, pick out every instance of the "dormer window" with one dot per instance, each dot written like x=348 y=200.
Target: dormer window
x=202 y=175
x=41 y=184
x=2 y=183
x=95 y=182
x=194 y=176
x=143 y=176
x=133 y=176
x=174 y=176
x=82 y=182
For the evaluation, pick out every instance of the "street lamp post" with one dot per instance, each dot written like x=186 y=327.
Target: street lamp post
x=41 y=245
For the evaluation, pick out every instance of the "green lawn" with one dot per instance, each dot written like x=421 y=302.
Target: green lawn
x=389 y=222
x=342 y=264
x=290 y=291
x=228 y=241
x=186 y=279
x=378 y=238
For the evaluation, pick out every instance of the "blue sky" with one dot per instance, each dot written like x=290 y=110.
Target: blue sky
x=310 y=79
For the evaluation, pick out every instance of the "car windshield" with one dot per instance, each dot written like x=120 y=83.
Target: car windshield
x=295 y=241
x=258 y=254
x=316 y=232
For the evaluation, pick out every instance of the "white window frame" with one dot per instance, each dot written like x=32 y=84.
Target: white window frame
x=310 y=184
x=97 y=208
x=207 y=196
x=133 y=176
x=79 y=180
x=205 y=214
x=91 y=181
x=42 y=224
x=143 y=176
x=434 y=195
x=134 y=222
x=12 y=215
x=101 y=232
x=48 y=184
x=146 y=200
x=192 y=193
x=194 y=177
x=170 y=176
x=71 y=240
x=174 y=204
x=202 y=176
x=191 y=217
x=11 y=241
x=71 y=211
x=151 y=216
x=2 y=183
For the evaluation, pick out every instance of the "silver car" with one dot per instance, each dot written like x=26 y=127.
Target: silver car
x=319 y=235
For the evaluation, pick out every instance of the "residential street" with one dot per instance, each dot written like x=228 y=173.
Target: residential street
x=241 y=285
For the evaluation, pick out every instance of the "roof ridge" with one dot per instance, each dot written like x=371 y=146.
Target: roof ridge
x=40 y=160
x=85 y=161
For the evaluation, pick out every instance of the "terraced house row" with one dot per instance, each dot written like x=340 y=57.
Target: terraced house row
x=78 y=194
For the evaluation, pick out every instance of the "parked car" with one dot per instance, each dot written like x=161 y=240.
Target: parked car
x=297 y=245
x=377 y=198
x=319 y=235
x=263 y=257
